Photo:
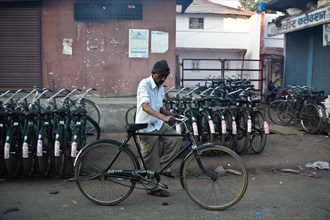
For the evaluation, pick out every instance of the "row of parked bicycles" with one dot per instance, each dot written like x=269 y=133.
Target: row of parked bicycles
x=301 y=104
x=41 y=131
x=225 y=111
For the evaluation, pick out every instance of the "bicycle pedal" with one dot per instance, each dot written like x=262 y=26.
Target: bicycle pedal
x=163 y=186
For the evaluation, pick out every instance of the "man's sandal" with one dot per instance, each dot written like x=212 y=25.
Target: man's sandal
x=158 y=192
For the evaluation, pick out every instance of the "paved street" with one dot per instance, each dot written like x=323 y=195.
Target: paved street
x=299 y=193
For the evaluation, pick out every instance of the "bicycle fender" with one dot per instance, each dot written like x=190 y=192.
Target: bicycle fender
x=185 y=159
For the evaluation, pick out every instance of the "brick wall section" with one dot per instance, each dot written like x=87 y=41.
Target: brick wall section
x=100 y=49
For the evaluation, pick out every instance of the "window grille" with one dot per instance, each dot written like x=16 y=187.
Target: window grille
x=196 y=23
x=107 y=11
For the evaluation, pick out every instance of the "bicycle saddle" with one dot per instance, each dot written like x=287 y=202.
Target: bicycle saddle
x=135 y=127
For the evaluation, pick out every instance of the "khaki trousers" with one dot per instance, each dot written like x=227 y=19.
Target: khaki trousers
x=157 y=150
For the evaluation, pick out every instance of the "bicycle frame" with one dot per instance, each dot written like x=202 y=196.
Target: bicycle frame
x=191 y=143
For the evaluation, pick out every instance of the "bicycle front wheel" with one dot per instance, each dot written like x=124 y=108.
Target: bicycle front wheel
x=45 y=143
x=30 y=139
x=273 y=114
x=206 y=135
x=258 y=135
x=2 y=143
x=285 y=113
x=13 y=162
x=229 y=182
x=90 y=172
x=310 y=118
x=243 y=136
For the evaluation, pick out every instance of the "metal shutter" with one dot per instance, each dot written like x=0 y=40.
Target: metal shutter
x=20 y=63
x=296 y=58
x=297 y=52
x=321 y=64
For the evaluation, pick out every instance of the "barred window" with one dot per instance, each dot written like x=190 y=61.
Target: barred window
x=196 y=23
x=195 y=64
x=107 y=11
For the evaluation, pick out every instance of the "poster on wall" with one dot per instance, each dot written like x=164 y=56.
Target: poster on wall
x=159 y=42
x=138 y=43
x=326 y=35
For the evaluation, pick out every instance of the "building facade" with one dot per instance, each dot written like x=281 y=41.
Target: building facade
x=306 y=26
x=108 y=45
x=214 y=40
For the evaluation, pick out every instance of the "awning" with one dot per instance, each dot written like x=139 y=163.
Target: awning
x=282 y=5
x=184 y=4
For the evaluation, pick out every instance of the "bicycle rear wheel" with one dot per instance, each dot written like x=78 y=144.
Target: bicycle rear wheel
x=272 y=111
x=91 y=125
x=92 y=109
x=90 y=172
x=230 y=181
x=130 y=115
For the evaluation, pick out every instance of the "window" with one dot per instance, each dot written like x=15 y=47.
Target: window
x=196 y=23
x=195 y=64
x=107 y=11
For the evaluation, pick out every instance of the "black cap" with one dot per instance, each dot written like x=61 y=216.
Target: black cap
x=161 y=67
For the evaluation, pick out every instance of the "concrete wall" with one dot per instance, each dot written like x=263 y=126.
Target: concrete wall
x=273 y=41
x=100 y=49
x=220 y=32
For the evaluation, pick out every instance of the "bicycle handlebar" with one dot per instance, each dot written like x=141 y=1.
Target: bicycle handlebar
x=12 y=96
x=26 y=96
x=84 y=94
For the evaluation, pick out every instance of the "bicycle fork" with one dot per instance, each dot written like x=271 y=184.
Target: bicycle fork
x=26 y=150
x=8 y=142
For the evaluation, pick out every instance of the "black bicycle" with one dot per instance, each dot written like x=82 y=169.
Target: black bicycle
x=107 y=171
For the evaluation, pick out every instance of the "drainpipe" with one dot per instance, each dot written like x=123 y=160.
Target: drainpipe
x=262 y=46
x=243 y=60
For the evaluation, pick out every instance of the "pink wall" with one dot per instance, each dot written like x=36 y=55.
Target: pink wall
x=100 y=49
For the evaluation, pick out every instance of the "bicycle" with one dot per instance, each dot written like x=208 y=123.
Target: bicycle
x=63 y=133
x=30 y=131
x=107 y=171
x=302 y=105
x=83 y=124
x=3 y=132
x=14 y=141
x=251 y=126
x=45 y=134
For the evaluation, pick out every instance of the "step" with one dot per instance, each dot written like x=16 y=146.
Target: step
x=113 y=112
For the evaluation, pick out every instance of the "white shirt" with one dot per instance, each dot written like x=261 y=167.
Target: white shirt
x=149 y=92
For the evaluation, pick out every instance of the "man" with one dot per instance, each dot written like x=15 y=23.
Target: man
x=150 y=109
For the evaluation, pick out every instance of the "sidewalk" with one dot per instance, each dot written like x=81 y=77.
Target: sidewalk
x=113 y=112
